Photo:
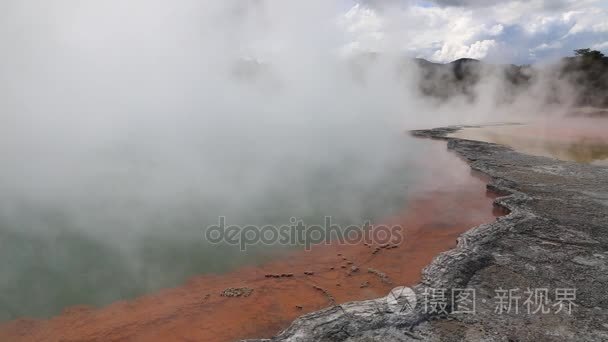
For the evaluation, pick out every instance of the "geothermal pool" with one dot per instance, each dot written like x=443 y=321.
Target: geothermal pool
x=71 y=241
x=430 y=192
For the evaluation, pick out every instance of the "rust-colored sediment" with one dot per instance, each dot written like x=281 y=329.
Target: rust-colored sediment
x=453 y=202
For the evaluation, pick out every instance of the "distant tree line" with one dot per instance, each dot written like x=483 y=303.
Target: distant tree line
x=586 y=72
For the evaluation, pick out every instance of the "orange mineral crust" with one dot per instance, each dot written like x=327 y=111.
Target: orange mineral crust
x=451 y=202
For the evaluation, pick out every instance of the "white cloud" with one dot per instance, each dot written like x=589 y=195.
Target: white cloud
x=361 y=19
x=593 y=20
x=548 y=46
x=477 y=50
x=365 y=27
x=522 y=29
x=601 y=46
x=496 y=30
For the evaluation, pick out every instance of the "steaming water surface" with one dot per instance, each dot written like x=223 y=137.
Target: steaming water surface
x=78 y=243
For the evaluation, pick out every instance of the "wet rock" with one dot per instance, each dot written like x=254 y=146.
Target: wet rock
x=272 y=276
x=236 y=292
x=326 y=293
x=383 y=277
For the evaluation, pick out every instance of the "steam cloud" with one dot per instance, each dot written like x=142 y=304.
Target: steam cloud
x=123 y=123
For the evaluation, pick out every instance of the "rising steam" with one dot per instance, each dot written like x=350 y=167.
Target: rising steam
x=126 y=123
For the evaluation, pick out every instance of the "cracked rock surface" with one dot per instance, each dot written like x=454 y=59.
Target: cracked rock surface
x=555 y=237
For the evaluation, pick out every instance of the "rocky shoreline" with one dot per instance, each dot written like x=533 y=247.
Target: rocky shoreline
x=551 y=251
